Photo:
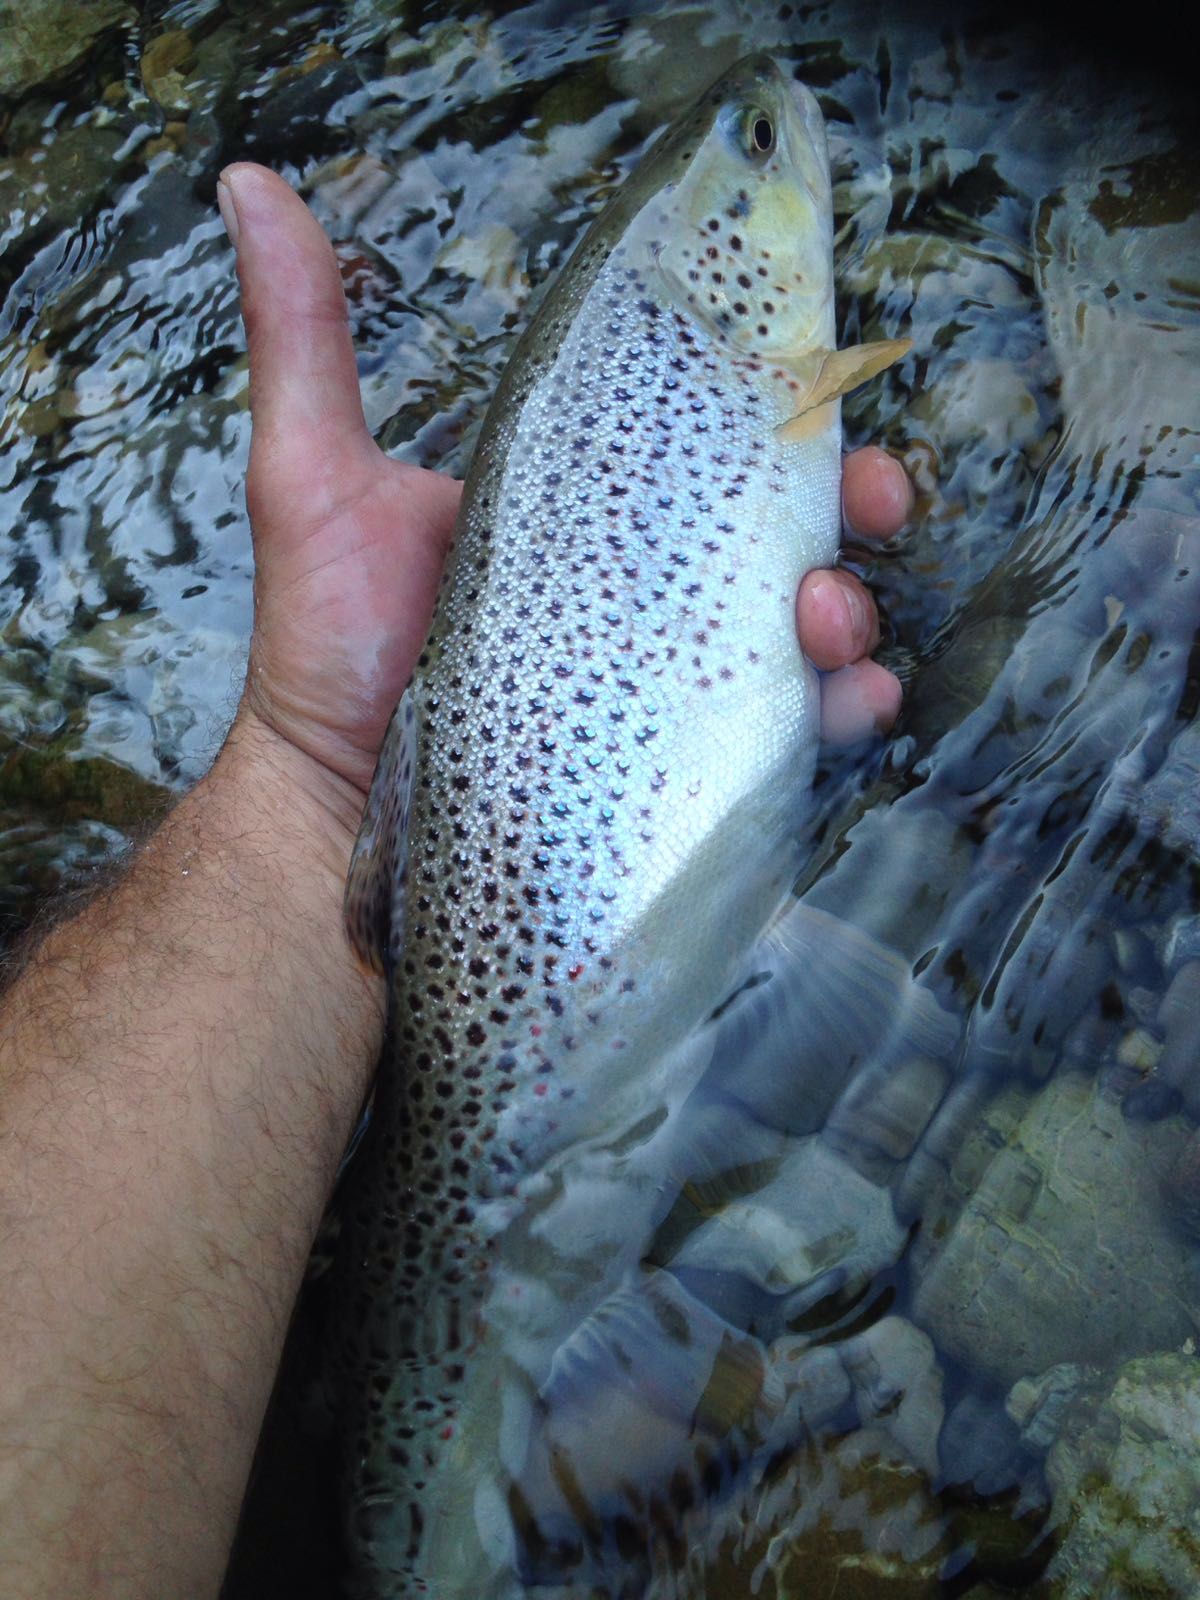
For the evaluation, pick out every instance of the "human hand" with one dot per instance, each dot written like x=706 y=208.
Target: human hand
x=349 y=544
x=836 y=618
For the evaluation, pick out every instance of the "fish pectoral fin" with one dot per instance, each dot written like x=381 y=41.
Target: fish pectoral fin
x=832 y=1001
x=375 y=887
x=807 y=424
x=844 y=370
x=858 y=982
x=840 y=372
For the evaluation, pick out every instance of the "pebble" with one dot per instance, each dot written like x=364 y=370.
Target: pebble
x=163 y=65
x=1140 y=1050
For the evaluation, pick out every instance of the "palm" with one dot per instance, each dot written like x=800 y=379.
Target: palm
x=345 y=597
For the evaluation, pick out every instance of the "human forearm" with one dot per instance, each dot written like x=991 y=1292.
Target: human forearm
x=179 y=1069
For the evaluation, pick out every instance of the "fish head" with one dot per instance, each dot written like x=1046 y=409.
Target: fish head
x=742 y=231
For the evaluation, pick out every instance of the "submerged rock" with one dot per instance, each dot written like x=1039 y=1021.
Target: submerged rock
x=41 y=40
x=817 y=1229
x=46 y=188
x=1039 y=1405
x=1181 y=1186
x=1179 y=1022
x=1060 y=1249
x=1125 y=1475
x=980 y=1448
x=886 y=1110
x=898 y=1387
x=164 y=66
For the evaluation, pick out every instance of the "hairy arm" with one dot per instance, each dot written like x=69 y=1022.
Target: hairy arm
x=180 y=1067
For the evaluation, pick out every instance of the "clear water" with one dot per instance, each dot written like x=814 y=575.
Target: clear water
x=1026 y=842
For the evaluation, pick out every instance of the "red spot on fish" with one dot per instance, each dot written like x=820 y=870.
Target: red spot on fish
x=447 y=1433
x=540 y=1088
x=573 y=972
x=535 y=1029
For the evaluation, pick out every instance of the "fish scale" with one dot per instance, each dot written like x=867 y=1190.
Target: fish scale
x=612 y=731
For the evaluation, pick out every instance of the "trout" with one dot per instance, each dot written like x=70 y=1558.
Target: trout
x=585 y=813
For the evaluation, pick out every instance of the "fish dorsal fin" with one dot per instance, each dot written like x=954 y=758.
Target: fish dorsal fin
x=840 y=372
x=375 y=887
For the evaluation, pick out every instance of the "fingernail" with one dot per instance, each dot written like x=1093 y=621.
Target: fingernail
x=228 y=210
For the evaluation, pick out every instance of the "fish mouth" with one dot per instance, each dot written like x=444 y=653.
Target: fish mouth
x=805 y=103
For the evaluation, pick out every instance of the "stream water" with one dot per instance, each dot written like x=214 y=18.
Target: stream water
x=999 y=1239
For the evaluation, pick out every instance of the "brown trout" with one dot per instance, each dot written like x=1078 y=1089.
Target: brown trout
x=584 y=817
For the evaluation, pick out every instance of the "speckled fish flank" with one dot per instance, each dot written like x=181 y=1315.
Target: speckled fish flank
x=598 y=770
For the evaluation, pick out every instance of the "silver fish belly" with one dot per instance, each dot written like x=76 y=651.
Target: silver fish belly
x=586 y=810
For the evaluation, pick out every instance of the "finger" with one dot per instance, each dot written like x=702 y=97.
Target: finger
x=309 y=428
x=836 y=620
x=877 y=496
x=859 y=701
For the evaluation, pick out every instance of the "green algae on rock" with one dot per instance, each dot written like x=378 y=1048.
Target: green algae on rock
x=1125 y=1474
x=43 y=40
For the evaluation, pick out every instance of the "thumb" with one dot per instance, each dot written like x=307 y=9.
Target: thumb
x=307 y=412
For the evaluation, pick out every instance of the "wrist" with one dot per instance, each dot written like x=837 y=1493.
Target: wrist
x=286 y=826
x=317 y=809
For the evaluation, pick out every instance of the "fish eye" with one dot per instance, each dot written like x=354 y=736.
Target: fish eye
x=762 y=133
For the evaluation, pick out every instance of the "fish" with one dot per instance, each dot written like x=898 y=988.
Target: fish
x=586 y=812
